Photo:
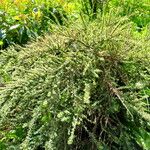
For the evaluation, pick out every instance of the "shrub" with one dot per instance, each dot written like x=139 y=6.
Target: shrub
x=82 y=87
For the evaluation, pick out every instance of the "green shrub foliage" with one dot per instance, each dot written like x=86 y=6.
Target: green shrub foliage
x=138 y=11
x=82 y=87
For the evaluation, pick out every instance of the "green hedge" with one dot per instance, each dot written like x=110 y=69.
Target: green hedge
x=82 y=87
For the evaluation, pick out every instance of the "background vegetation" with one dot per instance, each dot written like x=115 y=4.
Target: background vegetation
x=22 y=20
x=83 y=84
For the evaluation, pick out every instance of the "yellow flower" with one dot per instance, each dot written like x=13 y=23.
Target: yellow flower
x=17 y=18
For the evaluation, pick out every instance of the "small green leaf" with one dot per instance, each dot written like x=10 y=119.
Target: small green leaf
x=1 y=43
x=87 y=94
